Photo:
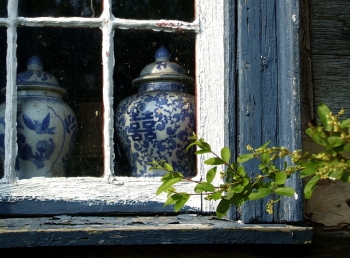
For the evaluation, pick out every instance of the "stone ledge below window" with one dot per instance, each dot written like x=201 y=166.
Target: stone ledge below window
x=143 y=230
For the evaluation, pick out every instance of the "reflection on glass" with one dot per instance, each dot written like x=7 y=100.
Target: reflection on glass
x=3 y=8
x=154 y=9
x=60 y=8
x=73 y=56
x=3 y=47
x=133 y=51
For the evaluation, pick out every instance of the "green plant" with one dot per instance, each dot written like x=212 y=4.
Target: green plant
x=333 y=162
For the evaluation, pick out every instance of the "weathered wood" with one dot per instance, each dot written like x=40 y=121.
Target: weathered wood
x=331 y=81
x=10 y=140
x=257 y=58
x=182 y=229
x=88 y=195
x=330 y=59
x=330 y=27
x=231 y=104
x=210 y=82
x=269 y=92
x=330 y=38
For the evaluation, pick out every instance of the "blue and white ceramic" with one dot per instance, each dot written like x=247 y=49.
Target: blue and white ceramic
x=46 y=125
x=156 y=122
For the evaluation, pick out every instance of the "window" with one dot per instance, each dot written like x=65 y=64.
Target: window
x=97 y=32
x=244 y=72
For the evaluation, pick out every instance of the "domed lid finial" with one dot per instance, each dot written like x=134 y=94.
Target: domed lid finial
x=163 y=70
x=162 y=55
x=34 y=63
x=36 y=79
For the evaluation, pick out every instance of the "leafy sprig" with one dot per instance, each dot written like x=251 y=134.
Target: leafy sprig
x=237 y=187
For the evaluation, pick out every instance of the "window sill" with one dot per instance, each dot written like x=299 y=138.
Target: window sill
x=41 y=196
x=148 y=230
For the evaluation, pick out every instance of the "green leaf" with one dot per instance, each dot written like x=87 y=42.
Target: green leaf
x=181 y=203
x=211 y=174
x=310 y=168
x=168 y=176
x=265 y=157
x=179 y=199
x=170 y=191
x=260 y=193
x=167 y=184
x=237 y=188
x=203 y=145
x=310 y=186
x=202 y=151
x=337 y=174
x=238 y=199
x=223 y=208
x=285 y=165
x=245 y=157
x=190 y=145
x=285 y=191
x=335 y=141
x=345 y=123
x=215 y=196
x=346 y=176
x=204 y=187
x=280 y=178
x=323 y=112
x=347 y=148
x=315 y=136
x=241 y=171
x=214 y=161
x=168 y=167
x=265 y=145
x=245 y=181
x=226 y=154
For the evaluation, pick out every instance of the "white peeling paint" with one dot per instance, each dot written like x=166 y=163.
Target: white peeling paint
x=296 y=196
x=210 y=72
x=209 y=24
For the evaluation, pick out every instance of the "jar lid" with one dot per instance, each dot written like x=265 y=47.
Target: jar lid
x=163 y=70
x=36 y=79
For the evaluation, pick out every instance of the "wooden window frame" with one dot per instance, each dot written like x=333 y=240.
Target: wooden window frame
x=117 y=194
x=226 y=84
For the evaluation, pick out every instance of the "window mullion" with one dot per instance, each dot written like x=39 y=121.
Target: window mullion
x=210 y=72
x=11 y=96
x=61 y=22
x=108 y=67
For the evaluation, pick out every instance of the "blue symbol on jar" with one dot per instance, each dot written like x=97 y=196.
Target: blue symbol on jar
x=37 y=126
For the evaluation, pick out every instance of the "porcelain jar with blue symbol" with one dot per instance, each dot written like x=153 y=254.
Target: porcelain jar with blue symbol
x=157 y=121
x=46 y=125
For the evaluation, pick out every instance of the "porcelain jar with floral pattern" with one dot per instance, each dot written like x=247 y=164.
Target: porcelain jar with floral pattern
x=46 y=125
x=157 y=121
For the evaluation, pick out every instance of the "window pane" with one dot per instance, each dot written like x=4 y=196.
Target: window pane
x=60 y=8
x=3 y=47
x=3 y=8
x=154 y=9
x=133 y=51
x=73 y=56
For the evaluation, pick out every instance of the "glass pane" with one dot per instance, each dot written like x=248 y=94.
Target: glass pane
x=60 y=8
x=3 y=48
x=73 y=57
x=154 y=9
x=3 y=8
x=133 y=51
